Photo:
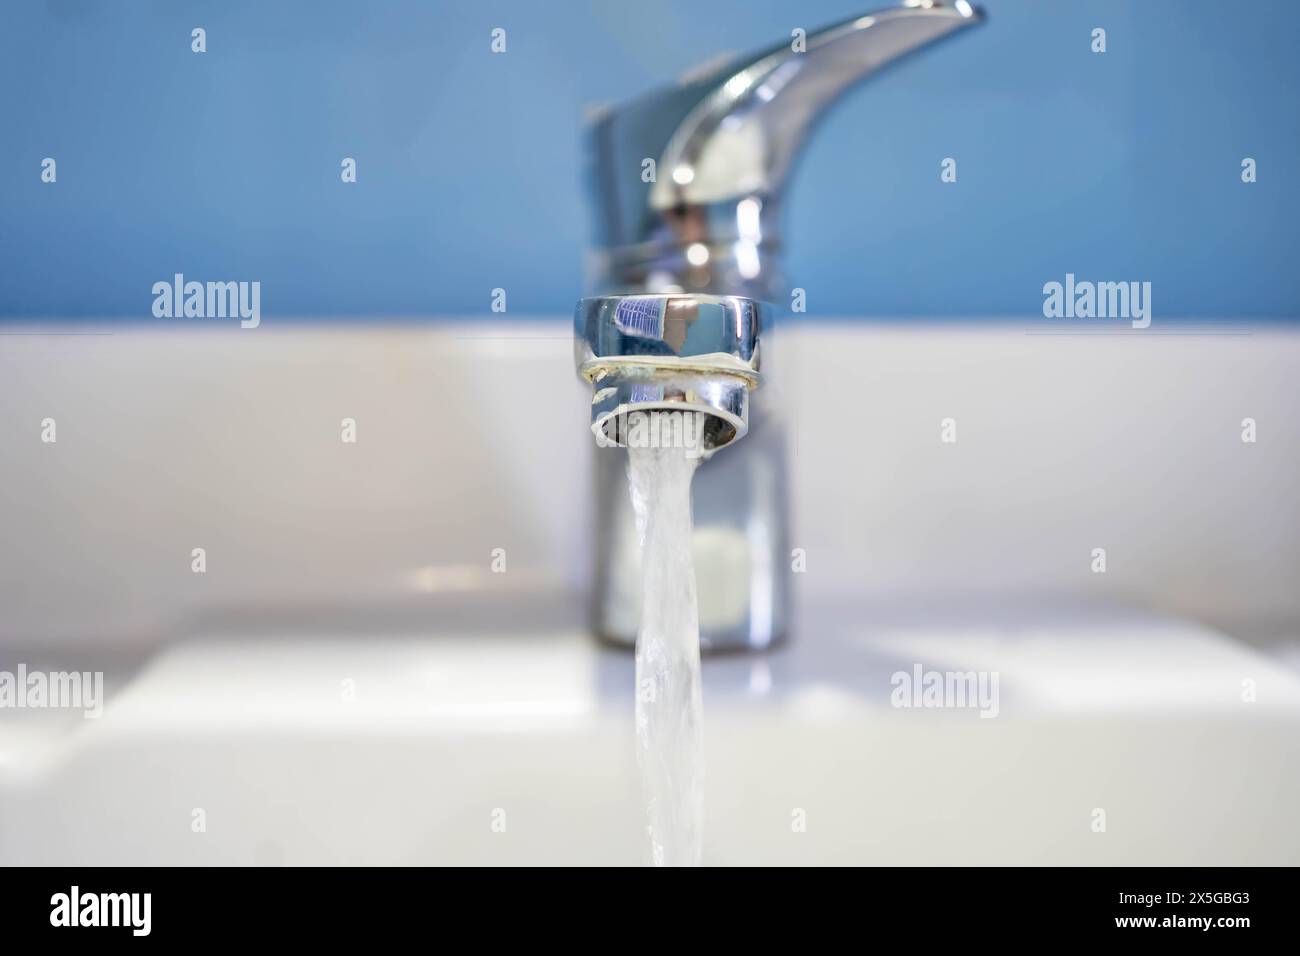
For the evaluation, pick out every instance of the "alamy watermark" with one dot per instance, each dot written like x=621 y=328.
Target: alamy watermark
x=53 y=690
x=208 y=300
x=75 y=908
x=655 y=428
x=921 y=688
x=1075 y=299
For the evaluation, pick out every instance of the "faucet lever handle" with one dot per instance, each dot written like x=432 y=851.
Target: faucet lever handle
x=724 y=144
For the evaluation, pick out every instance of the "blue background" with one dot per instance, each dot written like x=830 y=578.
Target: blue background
x=1123 y=165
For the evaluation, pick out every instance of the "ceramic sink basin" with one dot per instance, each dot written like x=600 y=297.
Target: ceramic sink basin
x=350 y=681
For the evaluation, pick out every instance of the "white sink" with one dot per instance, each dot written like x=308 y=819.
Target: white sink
x=349 y=681
x=413 y=760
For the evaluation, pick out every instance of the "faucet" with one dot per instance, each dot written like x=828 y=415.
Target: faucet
x=688 y=186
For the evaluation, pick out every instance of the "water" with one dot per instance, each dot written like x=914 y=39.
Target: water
x=668 y=702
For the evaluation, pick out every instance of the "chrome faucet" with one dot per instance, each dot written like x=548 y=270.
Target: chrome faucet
x=688 y=184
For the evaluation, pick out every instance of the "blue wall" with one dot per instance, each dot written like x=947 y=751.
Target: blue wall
x=1118 y=166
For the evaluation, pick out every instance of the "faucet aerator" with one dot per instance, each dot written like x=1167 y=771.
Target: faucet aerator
x=635 y=404
x=693 y=359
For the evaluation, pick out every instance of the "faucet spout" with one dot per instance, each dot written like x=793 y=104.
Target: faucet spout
x=694 y=354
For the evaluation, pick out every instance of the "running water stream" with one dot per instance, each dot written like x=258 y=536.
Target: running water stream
x=668 y=701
